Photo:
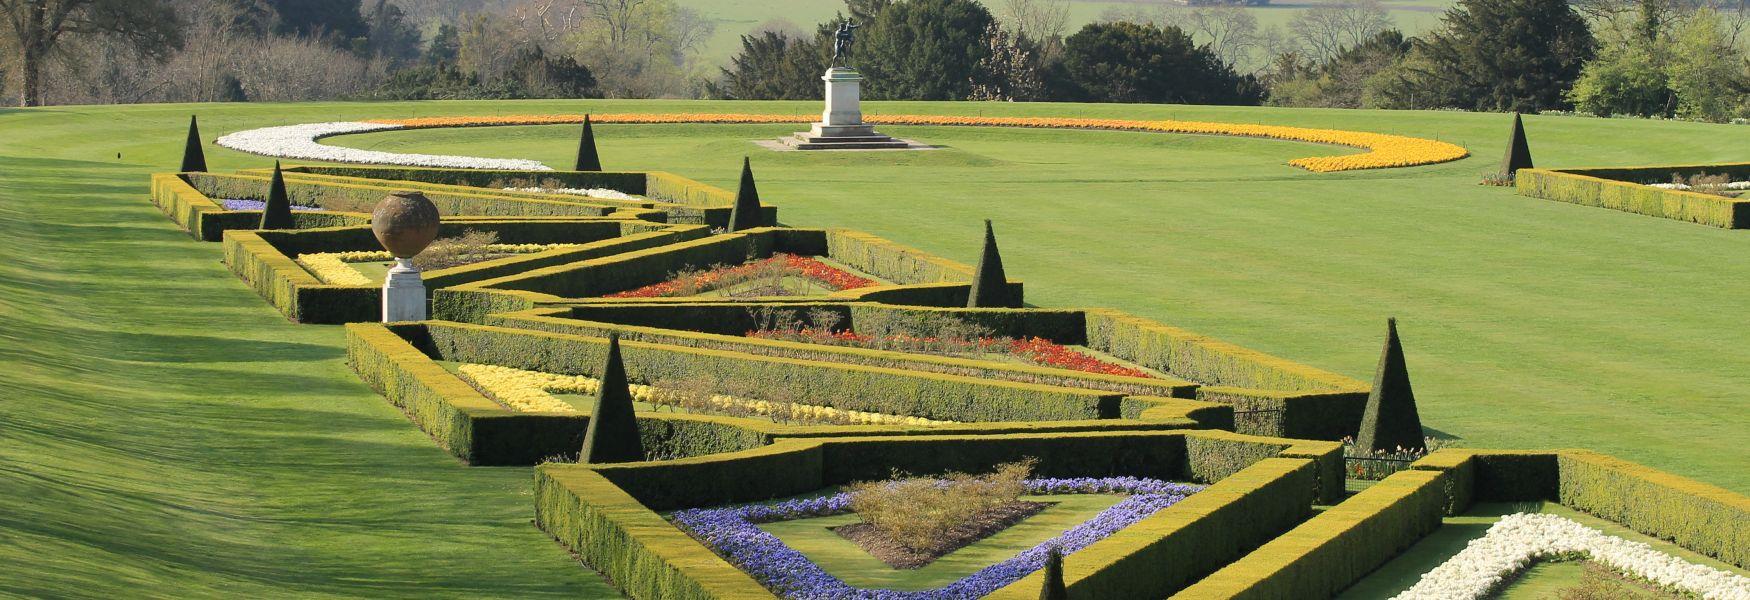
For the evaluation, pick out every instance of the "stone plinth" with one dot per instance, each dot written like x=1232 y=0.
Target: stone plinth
x=841 y=124
x=403 y=293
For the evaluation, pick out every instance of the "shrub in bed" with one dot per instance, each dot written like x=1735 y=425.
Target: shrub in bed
x=1518 y=152
x=193 y=157
x=919 y=512
x=1390 y=422
x=612 y=435
x=587 y=159
x=278 y=212
x=746 y=213
x=990 y=285
x=1053 y=588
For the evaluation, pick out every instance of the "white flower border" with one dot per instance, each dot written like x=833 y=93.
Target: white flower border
x=1521 y=539
x=300 y=142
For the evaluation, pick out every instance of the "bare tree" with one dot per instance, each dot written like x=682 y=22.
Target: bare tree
x=1325 y=30
x=1038 y=20
x=1230 y=31
x=37 y=27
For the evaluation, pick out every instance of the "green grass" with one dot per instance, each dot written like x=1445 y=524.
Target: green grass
x=166 y=433
x=844 y=559
x=1541 y=581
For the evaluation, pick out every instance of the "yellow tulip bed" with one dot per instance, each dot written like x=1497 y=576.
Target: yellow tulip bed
x=1383 y=150
x=532 y=391
x=332 y=267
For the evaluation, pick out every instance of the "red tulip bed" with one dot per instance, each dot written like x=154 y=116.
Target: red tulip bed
x=1035 y=350
x=782 y=264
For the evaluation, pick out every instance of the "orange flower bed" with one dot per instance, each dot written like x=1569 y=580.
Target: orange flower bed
x=1383 y=150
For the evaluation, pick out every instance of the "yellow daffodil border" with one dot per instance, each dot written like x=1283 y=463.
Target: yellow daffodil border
x=532 y=391
x=1383 y=150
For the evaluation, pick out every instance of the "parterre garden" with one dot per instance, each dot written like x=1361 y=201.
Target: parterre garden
x=758 y=387
x=1158 y=464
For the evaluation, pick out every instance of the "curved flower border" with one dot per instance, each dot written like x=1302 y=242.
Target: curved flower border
x=734 y=533
x=1520 y=539
x=300 y=141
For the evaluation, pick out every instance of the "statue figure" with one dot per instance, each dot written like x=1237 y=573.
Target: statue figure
x=841 y=44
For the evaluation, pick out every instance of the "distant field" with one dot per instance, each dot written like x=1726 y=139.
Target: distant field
x=737 y=17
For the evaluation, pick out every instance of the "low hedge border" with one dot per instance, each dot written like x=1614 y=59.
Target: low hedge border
x=207 y=221
x=266 y=259
x=607 y=513
x=1622 y=189
x=308 y=191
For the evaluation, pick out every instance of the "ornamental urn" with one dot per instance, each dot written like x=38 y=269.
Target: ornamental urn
x=405 y=223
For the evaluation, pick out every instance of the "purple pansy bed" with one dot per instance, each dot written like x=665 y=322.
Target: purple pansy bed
x=734 y=533
x=247 y=204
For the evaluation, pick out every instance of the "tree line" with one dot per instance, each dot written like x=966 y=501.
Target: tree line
x=1653 y=58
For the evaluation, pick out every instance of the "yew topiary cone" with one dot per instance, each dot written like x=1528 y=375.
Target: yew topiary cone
x=612 y=436
x=1518 y=152
x=194 y=159
x=278 y=212
x=1054 y=588
x=1390 y=420
x=747 y=213
x=990 y=286
x=587 y=159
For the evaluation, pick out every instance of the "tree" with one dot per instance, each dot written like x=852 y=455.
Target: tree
x=773 y=66
x=1127 y=62
x=1012 y=70
x=1038 y=20
x=277 y=213
x=1327 y=29
x=1707 y=70
x=37 y=27
x=1342 y=81
x=747 y=213
x=339 y=21
x=1390 y=421
x=612 y=433
x=587 y=159
x=990 y=285
x=445 y=46
x=1519 y=55
x=194 y=158
x=924 y=50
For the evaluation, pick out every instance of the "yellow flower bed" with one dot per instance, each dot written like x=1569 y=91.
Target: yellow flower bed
x=1383 y=150
x=532 y=391
x=332 y=267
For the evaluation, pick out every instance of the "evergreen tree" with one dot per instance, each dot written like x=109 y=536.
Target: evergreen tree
x=923 y=50
x=773 y=66
x=1518 y=153
x=194 y=159
x=1054 y=588
x=747 y=213
x=1519 y=55
x=278 y=212
x=1127 y=62
x=612 y=435
x=990 y=286
x=587 y=159
x=1390 y=420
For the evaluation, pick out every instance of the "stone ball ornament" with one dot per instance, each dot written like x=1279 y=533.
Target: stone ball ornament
x=405 y=223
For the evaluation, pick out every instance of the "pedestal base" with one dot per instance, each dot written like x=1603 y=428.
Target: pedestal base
x=842 y=137
x=403 y=293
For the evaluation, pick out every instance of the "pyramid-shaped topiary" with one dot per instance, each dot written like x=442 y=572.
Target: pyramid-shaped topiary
x=747 y=213
x=990 y=286
x=1518 y=152
x=1053 y=588
x=194 y=159
x=1390 y=420
x=278 y=212
x=587 y=159
x=612 y=436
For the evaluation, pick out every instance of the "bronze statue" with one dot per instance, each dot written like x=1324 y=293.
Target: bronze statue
x=841 y=44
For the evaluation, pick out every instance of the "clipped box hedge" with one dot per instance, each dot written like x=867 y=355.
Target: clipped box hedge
x=207 y=221
x=1623 y=189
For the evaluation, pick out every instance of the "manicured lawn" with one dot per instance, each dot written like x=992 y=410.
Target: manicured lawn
x=167 y=433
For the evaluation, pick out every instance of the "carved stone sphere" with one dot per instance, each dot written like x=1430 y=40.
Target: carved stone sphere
x=405 y=223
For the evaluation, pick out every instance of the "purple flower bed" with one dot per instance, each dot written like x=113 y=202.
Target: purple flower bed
x=733 y=532
x=244 y=204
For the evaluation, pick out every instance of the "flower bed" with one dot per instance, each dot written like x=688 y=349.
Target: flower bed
x=246 y=204
x=734 y=533
x=332 y=267
x=300 y=141
x=1035 y=350
x=824 y=274
x=604 y=193
x=1518 y=540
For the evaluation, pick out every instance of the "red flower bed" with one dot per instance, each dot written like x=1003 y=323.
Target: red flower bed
x=826 y=275
x=1036 y=350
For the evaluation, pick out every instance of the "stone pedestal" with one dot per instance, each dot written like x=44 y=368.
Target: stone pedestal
x=841 y=124
x=403 y=293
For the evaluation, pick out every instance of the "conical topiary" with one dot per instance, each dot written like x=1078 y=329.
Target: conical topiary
x=194 y=159
x=1390 y=420
x=277 y=214
x=612 y=436
x=747 y=213
x=990 y=286
x=1053 y=588
x=587 y=159
x=1518 y=152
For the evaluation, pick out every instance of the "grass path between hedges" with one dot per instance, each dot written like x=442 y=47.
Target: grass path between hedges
x=164 y=433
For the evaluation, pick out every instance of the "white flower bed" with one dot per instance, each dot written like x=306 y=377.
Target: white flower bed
x=1521 y=539
x=1735 y=185
x=588 y=192
x=300 y=141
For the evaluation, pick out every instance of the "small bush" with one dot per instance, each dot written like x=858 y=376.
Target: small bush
x=1702 y=183
x=916 y=512
x=1498 y=179
x=1599 y=582
x=468 y=248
